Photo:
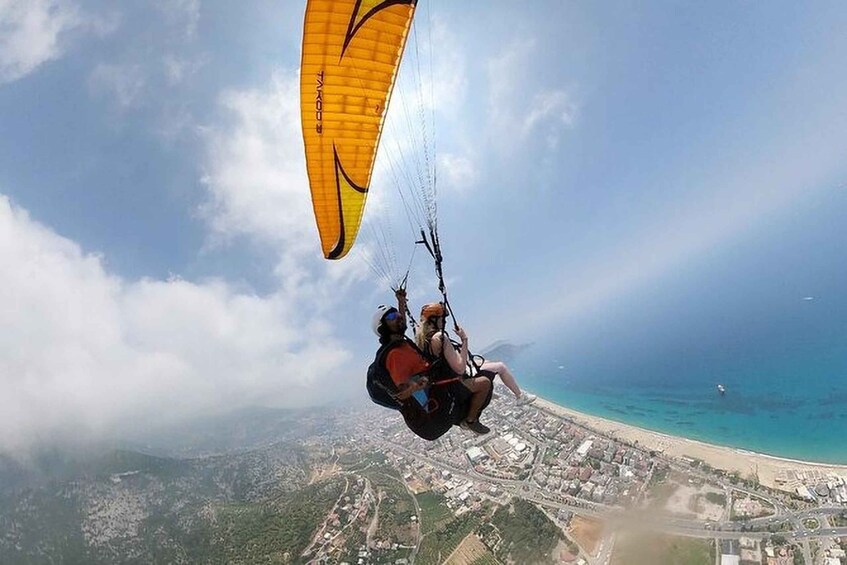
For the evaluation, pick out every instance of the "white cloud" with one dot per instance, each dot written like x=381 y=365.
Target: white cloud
x=31 y=32
x=34 y=32
x=125 y=83
x=459 y=173
x=553 y=109
x=157 y=76
x=177 y=69
x=443 y=67
x=515 y=113
x=258 y=189
x=174 y=69
x=92 y=350
x=88 y=352
x=184 y=14
x=504 y=74
x=256 y=173
x=425 y=106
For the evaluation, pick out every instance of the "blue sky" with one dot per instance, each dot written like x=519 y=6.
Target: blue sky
x=601 y=166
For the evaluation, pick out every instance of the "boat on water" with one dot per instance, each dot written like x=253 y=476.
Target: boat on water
x=721 y=389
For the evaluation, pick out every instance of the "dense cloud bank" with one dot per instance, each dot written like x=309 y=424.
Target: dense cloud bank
x=84 y=351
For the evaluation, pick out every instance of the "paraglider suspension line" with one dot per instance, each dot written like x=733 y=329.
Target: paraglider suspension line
x=433 y=245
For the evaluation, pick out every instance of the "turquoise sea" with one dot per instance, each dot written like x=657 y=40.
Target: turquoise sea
x=792 y=404
x=775 y=336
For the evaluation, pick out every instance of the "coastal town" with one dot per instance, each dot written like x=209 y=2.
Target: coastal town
x=600 y=489
x=357 y=487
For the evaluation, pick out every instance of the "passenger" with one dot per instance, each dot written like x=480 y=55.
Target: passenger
x=429 y=339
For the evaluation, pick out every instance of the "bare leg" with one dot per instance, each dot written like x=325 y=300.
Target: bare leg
x=479 y=386
x=505 y=375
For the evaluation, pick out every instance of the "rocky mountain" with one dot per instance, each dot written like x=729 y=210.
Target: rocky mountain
x=503 y=350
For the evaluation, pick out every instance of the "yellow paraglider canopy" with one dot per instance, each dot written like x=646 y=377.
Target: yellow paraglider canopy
x=351 y=52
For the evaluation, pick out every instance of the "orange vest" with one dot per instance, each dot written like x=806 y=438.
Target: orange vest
x=403 y=362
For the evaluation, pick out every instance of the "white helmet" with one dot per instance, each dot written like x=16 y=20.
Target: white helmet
x=381 y=311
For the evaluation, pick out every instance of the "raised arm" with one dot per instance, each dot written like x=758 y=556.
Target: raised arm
x=457 y=359
x=400 y=294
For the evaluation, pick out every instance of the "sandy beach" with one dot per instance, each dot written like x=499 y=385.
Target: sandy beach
x=766 y=467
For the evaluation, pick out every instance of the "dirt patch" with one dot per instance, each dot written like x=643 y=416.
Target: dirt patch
x=680 y=501
x=467 y=552
x=587 y=532
x=417 y=486
x=565 y=553
x=692 y=501
x=323 y=472
x=746 y=506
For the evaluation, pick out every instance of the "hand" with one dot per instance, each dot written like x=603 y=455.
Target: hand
x=414 y=385
x=400 y=294
x=461 y=333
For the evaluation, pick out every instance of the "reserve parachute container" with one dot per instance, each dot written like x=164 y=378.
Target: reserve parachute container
x=351 y=52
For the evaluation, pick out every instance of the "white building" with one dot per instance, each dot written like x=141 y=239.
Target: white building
x=583 y=449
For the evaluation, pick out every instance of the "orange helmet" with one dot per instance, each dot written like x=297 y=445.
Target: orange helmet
x=433 y=310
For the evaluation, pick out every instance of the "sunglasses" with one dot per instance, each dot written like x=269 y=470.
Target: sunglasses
x=393 y=315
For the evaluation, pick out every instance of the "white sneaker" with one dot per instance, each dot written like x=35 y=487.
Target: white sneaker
x=526 y=398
